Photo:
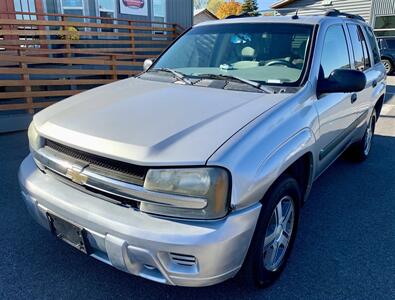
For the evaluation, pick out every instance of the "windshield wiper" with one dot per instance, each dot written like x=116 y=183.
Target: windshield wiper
x=176 y=74
x=254 y=84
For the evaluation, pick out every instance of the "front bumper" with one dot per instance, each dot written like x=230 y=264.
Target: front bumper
x=141 y=244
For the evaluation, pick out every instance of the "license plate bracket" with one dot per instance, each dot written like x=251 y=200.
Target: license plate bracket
x=68 y=232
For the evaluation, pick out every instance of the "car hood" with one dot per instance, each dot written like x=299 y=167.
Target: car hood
x=152 y=123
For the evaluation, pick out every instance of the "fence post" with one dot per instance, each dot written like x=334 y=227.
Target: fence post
x=174 y=31
x=26 y=84
x=114 y=67
x=132 y=40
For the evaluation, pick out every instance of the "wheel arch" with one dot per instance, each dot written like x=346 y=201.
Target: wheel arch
x=388 y=57
x=297 y=159
x=302 y=171
x=379 y=105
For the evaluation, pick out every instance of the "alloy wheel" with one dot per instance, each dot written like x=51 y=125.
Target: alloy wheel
x=369 y=136
x=387 y=66
x=278 y=233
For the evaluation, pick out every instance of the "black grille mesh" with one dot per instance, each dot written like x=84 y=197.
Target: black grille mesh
x=137 y=172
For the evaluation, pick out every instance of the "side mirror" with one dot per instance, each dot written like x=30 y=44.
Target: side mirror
x=342 y=81
x=147 y=64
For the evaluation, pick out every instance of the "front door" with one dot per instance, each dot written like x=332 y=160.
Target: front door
x=337 y=111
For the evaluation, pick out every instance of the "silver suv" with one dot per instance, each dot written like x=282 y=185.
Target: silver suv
x=198 y=167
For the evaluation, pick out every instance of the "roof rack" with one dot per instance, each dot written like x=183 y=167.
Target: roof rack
x=329 y=12
x=337 y=13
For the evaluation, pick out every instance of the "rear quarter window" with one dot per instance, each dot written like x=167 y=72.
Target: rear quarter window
x=359 y=47
x=373 y=45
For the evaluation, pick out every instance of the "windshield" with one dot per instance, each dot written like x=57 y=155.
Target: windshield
x=267 y=53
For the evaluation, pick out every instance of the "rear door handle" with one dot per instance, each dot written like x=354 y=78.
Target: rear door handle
x=354 y=97
x=374 y=84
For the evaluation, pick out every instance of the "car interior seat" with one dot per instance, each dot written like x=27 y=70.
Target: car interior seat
x=248 y=55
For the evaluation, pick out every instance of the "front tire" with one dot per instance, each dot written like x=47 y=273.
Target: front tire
x=275 y=233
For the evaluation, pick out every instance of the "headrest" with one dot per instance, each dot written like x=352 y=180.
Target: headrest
x=248 y=52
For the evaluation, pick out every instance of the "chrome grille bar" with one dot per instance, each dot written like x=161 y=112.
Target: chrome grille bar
x=80 y=172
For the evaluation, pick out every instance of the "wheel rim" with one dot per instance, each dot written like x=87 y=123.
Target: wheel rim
x=387 y=66
x=278 y=233
x=369 y=136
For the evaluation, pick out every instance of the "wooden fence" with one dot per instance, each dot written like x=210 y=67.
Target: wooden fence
x=52 y=56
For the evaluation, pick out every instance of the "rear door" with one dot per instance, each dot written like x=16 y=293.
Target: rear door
x=376 y=75
x=362 y=62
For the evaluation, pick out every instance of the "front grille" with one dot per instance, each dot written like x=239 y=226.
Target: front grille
x=106 y=166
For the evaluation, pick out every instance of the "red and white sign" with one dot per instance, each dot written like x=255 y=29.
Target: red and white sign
x=134 y=7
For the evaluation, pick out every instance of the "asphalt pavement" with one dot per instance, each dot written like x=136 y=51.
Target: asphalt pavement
x=345 y=246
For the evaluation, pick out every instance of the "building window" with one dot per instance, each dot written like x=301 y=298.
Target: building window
x=159 y=15
x=28 y=6
x=25 y=6
x=159 y=10
x=72 y=7
x=106 y=9
x=384 y=26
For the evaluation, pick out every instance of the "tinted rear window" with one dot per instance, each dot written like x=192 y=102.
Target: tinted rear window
x=373 y=45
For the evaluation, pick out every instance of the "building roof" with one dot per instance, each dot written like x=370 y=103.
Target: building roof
x=281 y=3
x=204 y=11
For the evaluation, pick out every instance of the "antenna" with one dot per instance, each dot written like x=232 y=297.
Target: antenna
x=295 y=16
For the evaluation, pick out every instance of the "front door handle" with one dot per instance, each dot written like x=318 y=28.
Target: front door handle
x=374 y=84
x=354 y=97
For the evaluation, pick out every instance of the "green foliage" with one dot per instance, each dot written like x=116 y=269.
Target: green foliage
x=250 y=7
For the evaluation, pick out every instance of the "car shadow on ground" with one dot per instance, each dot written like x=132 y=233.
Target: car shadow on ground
x=344 y=246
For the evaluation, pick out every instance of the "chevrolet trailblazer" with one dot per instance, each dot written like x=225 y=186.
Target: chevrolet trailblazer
x=198 y=168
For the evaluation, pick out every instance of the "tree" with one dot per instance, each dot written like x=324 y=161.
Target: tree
x=227 y=9
x=213 y=5
x=250 y=7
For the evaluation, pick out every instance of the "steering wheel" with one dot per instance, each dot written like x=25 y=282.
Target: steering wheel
x=279 y=62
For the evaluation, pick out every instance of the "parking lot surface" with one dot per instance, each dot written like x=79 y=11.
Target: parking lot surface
x=344 y=249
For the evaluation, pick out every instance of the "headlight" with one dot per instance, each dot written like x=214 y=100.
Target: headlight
x=35 y=141
x=211 y=184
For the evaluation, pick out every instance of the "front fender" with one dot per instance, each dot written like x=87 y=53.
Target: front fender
x=272 y=167
x=282 y=158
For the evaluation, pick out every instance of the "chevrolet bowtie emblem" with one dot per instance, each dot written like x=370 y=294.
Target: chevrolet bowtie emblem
x=75 y=174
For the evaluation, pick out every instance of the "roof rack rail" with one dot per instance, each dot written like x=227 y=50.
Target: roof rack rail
x=337 y=13
x=329 y=12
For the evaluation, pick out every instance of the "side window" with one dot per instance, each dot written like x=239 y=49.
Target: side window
x=335 y=51
x=373 y=44
x=368 y=62
x=361 y=54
